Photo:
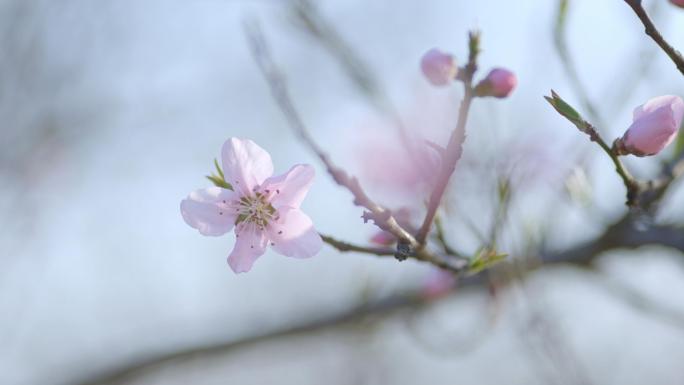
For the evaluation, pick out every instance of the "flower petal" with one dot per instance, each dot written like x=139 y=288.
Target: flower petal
x=652 y=132
x=250 y=244
x=245 y=164
x=289 y=189
x=675 y=103
x=293 y=234
x=207 y=211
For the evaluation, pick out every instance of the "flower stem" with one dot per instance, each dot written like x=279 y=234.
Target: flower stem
x=630 y=183
x=454 y=149
x=346 y=247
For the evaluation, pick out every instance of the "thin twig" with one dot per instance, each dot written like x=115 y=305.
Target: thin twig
x=378 y=214
x=346 y=246
x=454 y=149
x=504 y=196
x=407 y=246
x=622 y=234
x=355 y=66
x=630 y=183
x=634 y=187
x=653 y=32
x=318 y=27
x=441 y=238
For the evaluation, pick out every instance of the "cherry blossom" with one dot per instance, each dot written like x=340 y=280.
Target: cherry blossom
x=264 y=209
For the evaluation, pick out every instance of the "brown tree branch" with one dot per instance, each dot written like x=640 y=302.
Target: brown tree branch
x=139 y=365
x=621 y=235
x=346 y=247
x=640 y=194
x=653 y=32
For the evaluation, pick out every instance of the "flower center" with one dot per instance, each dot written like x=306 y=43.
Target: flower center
x=256 y=210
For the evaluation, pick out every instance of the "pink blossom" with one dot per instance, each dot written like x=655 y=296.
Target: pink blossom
x=438 y=67
x=263 y=208
x=499 y=83
x=391 y=166
x=678 y=3
x=438 y=284
x=655 y=125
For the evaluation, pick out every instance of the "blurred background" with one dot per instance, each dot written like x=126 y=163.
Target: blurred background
x=111 y=112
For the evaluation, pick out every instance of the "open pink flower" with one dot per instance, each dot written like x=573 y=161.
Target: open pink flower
x=263 y=208
x=655 y=125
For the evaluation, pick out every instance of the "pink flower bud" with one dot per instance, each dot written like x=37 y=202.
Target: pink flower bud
x=499 y=83
x=678 y=3
x=438 y=67
x=655 y=125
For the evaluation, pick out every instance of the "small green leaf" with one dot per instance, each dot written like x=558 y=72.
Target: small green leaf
x=219 y=182
x=563 y=108
x=473 y=44
x=218 y=169
x=484 y=258
x=504 y=189
x=562 y=14
x=568 y=112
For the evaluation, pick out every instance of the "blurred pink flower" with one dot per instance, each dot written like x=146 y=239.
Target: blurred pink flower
x=263 y=208
x=499 y=83
x=400 y=165
x=438 y=67
x=438 y=284
x=655 y=125
x=409 y=172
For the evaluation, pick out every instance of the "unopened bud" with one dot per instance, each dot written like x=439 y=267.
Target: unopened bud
x=655 y=125
x=438 y=67
x=499 y=83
